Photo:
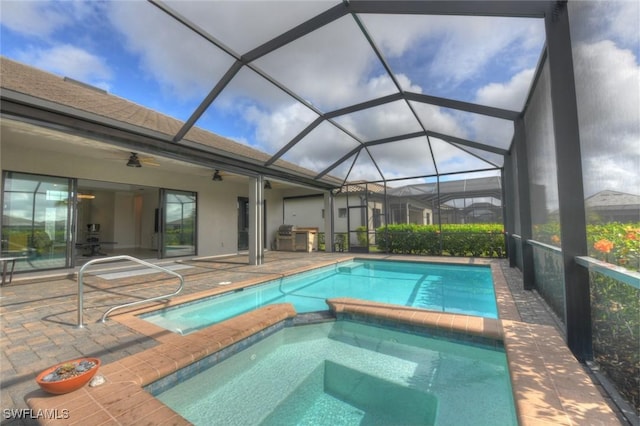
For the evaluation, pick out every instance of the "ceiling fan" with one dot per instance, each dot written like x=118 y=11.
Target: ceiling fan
x=136 y=161
x=217 y=176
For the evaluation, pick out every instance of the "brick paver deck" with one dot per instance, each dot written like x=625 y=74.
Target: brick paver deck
x=39 y=329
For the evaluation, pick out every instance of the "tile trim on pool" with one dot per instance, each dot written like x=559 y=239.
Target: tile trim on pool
x=546 y=390
x=549 y=385
x=122 y=399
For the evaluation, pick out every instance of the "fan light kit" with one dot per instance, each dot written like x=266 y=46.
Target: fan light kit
x=134 y=161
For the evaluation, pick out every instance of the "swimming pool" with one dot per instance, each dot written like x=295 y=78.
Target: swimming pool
x=447 y=288
x=344 y=373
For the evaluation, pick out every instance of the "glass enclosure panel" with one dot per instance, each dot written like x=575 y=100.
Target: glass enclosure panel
x=606 y=53
x=615 y=316
x=541 y=155
x=36 y=220
x=179 y=224
x=549 y=277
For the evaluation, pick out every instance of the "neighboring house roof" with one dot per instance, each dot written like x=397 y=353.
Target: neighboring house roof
x=613 y=200
x=451 y=190
x=362 y=186
x=426 y=194
x=66 y=92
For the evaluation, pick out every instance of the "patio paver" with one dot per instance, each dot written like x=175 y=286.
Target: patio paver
x=39 y=318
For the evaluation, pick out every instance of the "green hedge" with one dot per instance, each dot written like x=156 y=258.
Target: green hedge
x=477 y=240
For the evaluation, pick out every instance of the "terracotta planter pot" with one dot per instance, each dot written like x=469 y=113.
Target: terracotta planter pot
x=69 y=384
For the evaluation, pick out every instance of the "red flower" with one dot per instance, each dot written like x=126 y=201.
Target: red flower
x=555 y=239
x=603 y=245
x=632 y=234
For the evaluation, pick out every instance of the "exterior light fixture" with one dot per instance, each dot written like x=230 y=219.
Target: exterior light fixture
x=217 y=177
x=134 y=161
x=267 y=184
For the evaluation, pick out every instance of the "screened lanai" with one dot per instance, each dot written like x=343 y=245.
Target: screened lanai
x=330 y=86
x=538 y=99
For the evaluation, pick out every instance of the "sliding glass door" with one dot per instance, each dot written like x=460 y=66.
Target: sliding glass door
x=36 y=221
x=178 y=225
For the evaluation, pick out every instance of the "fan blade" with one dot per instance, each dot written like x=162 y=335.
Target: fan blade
x=149 y=162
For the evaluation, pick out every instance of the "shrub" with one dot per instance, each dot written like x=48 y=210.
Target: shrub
x=478 y=240
x=616 y=243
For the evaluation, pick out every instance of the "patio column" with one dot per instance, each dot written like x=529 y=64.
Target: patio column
x=256 y=220
x=328 y=221
x=524 y=204
x=507 y=178
x=570 y=185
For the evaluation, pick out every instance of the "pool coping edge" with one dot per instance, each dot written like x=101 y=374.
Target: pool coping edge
x=549 y=384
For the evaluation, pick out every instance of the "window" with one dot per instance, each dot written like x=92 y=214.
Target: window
x=342 y=212
x=36 y=220
x=377 y=218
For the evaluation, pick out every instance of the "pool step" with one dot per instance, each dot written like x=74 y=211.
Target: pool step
x=349 y=268
x=337 y=394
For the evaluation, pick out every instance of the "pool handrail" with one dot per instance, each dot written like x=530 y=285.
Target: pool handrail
x=124 y=305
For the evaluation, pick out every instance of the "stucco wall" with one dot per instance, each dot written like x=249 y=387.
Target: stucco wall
x=217 y=212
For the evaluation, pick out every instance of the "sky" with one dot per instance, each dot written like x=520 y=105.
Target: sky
x=134 y=50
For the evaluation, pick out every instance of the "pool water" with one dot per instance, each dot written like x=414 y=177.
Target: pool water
x=348 y=373
x=447 y=288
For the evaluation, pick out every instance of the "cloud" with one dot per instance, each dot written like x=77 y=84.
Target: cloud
x=457 y=49
x=331 y=68
x=598 y=20
x=508 y=95
x=184 y=65
x=273 y=129
x=33 y=18
x=244 y=25
x=608 y=93
x=70 y=61
x=53 y=37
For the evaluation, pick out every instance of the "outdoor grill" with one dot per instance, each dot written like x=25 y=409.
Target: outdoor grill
x=292 y=238
x=286 y=231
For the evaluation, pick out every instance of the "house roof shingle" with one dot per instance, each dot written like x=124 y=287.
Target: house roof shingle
x=66 y=92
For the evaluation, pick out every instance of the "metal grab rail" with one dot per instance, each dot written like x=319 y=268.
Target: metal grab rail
x=124 y=305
